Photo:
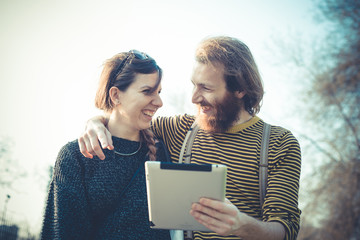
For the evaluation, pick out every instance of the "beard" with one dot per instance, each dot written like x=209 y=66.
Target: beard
x=226 y=113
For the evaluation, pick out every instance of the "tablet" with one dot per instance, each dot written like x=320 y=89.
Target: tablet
x=172 y=188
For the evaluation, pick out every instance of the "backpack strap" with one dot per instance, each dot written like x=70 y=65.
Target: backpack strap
x=263 y=166
x=187 y=144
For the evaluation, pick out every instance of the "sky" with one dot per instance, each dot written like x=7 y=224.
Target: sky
x=52 y=51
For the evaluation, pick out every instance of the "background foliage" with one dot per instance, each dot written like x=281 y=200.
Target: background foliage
x=332 y=113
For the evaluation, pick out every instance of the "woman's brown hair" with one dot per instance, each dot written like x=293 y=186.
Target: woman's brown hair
x=120 y=71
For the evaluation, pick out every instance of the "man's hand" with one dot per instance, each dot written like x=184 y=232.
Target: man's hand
x=95 y=132
x=225 y=219
x=221 y=217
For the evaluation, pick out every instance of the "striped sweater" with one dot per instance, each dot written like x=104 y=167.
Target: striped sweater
x=239 y=150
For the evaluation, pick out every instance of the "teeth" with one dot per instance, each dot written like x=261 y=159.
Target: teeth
x=149 y=113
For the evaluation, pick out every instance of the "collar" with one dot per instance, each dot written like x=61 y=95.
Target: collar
x=242 y=126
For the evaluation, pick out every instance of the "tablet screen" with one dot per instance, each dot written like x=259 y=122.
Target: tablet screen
x=172 y=188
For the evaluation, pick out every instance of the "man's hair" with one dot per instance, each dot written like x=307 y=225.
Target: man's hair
x=240 y=70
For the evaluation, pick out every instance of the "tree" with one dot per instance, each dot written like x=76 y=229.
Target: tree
x=10 y=171
x=333 y=106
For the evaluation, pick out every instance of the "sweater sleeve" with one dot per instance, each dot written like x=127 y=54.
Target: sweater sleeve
x=67 y=214
x=281 y=202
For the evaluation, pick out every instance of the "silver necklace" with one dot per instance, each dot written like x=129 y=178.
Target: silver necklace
x=128 y=154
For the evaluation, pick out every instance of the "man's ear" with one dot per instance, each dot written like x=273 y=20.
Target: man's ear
x=114 y=94
x=240 y=94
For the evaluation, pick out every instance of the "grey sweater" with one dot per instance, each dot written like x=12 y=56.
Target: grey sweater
x=84 y=199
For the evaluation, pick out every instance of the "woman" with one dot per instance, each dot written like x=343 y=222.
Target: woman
x=107 y=199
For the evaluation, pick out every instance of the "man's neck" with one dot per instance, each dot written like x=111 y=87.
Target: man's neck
x=244 y=117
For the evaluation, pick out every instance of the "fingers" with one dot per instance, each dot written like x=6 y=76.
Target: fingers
x=109 y=140
x=96 y=134
x=102 y=134
x=216 y=215
x=89 y=143
x=83 y=149
x=85 y=146
x=224 y=207
x=93 y=144
x=214 y=225
x=212 y=208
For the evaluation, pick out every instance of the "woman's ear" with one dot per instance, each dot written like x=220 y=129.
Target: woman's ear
x=240 y=94
x=114 y=94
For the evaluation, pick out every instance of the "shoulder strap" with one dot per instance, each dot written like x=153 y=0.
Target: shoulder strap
x=263 y=167
x=187 y=144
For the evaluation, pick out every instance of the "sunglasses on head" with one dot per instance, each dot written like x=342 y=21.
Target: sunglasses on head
x=132 y=54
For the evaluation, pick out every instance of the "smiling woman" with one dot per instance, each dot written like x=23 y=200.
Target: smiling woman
x=130 y=87
x=135 y=106
x=96 y=199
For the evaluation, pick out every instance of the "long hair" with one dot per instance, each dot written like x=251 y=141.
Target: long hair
x=240 y=70
x=120 y=71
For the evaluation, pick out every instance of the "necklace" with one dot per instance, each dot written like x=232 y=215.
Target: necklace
x=128 y=154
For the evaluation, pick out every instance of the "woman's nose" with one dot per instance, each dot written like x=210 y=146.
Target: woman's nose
x=157 y=101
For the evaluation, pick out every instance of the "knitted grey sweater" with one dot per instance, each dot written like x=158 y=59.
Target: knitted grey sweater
x=84 y=199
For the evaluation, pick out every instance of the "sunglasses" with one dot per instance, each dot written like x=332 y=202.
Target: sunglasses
x=132 y=54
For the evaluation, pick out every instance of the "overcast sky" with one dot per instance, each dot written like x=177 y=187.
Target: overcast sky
x=51 y=53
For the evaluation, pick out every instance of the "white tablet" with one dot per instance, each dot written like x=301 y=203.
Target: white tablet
x=172 y=188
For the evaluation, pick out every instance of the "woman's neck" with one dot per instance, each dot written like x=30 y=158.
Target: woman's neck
x=119 y=129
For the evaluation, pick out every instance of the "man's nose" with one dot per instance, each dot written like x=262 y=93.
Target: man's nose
x=196 y=96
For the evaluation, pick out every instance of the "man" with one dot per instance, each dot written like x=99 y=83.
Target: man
x=228 y=92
